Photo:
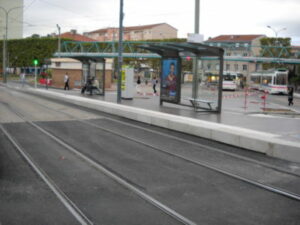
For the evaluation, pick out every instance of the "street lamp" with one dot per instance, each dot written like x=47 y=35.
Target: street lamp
x=59 y=40
x=120 y=53
x=276 y=32
x=6 y=12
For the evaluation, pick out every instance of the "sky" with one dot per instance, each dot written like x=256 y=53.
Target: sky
x=216 y=16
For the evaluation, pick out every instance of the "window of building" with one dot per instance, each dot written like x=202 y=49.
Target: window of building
x=228 y=53
x=245 y=54
x=57 y=64
x=237 y=45
x=236 y=67
x=217 y=66
x=227 y=66
x=208 y=66
x=245 y=67
x=257 y=66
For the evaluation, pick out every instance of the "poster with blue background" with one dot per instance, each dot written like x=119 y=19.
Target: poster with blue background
x=170 y=80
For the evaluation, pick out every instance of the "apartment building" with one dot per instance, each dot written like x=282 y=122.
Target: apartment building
x=135 y=33
x=74 y=36
x=236 y=46
x=15 y=18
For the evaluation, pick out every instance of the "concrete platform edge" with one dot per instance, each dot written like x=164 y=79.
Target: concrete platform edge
x=258 y=141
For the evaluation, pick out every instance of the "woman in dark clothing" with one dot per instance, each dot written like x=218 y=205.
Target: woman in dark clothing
x=291 y=96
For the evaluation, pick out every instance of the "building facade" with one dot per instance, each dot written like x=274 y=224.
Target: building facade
x=60 y=66
x=15 y=19
x=145 y=32
x=236 y=46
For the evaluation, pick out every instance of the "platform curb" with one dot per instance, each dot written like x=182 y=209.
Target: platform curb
x=258 y=141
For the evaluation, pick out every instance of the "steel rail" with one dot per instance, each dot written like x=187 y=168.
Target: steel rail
x=197 y=162
x=177 y=216
x=266 y=165
x=206 y=165
x=71 y=207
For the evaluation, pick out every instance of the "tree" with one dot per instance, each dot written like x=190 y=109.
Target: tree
x=35 y=36
x=275 y=48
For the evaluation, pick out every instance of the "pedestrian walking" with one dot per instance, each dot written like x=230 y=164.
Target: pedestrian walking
x=138 y=84
x=66 y=80
x=154 y=82
x=22 y=78
x=291 y=95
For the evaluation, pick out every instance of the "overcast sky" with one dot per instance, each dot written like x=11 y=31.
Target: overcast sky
x=216 y=16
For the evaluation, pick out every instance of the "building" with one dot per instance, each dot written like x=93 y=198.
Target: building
x=60 y=66
x=239 y=46
x=145 y=32
x=72 y=35
x=15 y=19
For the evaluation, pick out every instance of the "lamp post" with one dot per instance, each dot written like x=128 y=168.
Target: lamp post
x=59 y=40
x=276 y=32
x=120 y=56
x=6 y=12
x=276 y=36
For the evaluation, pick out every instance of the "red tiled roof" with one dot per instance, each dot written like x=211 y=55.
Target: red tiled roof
x=76 y=37
x=235 y=38
x=127 y=29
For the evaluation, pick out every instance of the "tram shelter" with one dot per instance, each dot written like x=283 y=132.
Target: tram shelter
x=171 y=61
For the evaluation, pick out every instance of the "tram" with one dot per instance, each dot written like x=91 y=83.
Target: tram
x=272 y=81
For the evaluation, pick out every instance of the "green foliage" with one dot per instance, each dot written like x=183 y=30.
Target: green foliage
x=21 y=52
x=275 y=47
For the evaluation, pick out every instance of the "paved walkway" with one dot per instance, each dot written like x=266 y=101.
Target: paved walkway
x=281 y=119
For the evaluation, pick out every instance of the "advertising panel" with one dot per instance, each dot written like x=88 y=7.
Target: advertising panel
x=170 y=80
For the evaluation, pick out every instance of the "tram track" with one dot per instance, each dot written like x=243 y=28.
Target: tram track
x=197 y=162
x=90 y=123
x=103 y=169
x=61 y=196
x=177 y=138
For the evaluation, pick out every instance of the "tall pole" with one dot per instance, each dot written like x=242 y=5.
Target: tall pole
x=197 y=16
x=276 y=38
x=120 y=56
x=6 y=12
x=195 y=59
x=35 y=76
x=59 y=40
x=3 y=62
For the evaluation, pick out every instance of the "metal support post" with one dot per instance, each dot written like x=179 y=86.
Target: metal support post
x=220 y=89
x=197 y=16
x=120 y=56
x=35 y=76
x=3 y=62
x=195 y=78
x=195 y=59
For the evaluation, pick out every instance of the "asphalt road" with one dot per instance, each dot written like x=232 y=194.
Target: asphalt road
x=160 y=163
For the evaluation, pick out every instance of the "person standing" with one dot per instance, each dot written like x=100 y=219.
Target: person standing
x=66 y=80
x=291 y=95
x=154 y=82
x=138 y=83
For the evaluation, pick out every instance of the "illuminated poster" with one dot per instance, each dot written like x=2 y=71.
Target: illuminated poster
x=170 y=80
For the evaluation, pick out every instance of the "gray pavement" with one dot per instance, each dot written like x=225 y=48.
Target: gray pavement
x=280 y=119
x=200 y=194
x=24 y=198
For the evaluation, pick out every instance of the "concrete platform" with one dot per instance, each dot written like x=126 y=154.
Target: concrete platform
x=264 y=142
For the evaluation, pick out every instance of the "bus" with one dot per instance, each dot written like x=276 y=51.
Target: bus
x=231 y=80
x=272 y=81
